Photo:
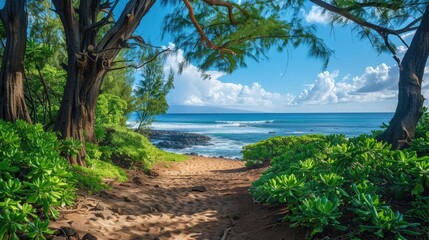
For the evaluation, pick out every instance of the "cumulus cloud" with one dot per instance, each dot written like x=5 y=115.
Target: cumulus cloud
x=330 y=88
x=376 y=83
x=317 y=15
x=322 y=91
x=192 y=89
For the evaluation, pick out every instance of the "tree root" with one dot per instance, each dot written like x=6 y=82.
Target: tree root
x=225 y=233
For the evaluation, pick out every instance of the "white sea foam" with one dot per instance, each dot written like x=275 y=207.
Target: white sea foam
x=207 y=128
x=221 y=147
x=246 y=122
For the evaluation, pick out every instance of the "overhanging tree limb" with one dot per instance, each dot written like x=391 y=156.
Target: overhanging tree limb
x=206 y=41
x=382 y=31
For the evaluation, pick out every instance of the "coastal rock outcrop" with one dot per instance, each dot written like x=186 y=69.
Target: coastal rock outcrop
x=178 y=140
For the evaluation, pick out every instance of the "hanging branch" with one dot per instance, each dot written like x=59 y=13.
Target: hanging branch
x=382 y=31
x=205 y=40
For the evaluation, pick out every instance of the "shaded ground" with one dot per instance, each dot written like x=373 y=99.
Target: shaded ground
x=203 y=198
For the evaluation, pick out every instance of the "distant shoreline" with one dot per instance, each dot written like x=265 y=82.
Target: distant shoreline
x=171 y=140
x=229 y=132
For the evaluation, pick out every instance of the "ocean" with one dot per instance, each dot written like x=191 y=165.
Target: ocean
x=231 y=131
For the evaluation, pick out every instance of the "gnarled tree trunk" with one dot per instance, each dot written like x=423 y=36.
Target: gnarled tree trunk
x=402 y=127
x=88 y=62
x=12 y=102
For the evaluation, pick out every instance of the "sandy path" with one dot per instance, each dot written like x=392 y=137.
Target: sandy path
x=201 y=198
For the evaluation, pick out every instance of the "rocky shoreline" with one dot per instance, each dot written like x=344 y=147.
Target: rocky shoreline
x=178 y=140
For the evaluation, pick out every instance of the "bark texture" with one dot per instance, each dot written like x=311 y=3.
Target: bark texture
x=89 y=60
x=402 y=127
x=12 y=101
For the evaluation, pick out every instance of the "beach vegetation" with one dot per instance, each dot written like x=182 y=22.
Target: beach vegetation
x=34 y=180
x=69 y=69
x=354 y=188
x=151 y=91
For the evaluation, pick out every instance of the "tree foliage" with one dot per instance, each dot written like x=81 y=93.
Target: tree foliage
x=151 y=91
x=224 y=35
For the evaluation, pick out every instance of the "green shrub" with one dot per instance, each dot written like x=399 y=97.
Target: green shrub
x=34 y=179
x=323 y=178
x=260 y=152
x=317 y=213
x=98 y=170
x=130 y=149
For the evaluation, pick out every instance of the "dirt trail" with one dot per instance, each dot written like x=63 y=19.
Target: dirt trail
x=202 y=198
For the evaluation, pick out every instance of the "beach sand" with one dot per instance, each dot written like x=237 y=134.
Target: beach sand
x=202 y=198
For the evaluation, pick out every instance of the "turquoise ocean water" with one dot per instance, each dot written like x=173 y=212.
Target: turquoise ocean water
x=229 y=132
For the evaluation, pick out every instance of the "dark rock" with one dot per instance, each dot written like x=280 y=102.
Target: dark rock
x=199 y=189
x=89 y=236
x=118 y=210
x=271 y=132
x=100 y=207
x=69 y=232
x=137 y=181
x=193 y=154
x=151 y=173
x=103 y=215
x=221 y=156
x=178 y=140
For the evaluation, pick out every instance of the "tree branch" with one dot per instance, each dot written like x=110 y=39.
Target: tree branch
x=206 y=41
x=123 y=28
x=105 y=20
x=409 y=26
x=348 y=15
x=224 y=4
x=372 y=4
x=382 y=31
x=141 y=65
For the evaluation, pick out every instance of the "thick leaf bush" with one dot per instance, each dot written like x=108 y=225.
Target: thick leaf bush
x=34 y=179
x=354 y=188
x=263 y=151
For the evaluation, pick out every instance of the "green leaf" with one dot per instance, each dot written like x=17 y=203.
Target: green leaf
x=418 y=189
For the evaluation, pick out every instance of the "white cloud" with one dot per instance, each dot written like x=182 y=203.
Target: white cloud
x=192 y=89
x=323 y=90
x=375 y=84
x=330 y=90
x=402 y=49
x=317 y=15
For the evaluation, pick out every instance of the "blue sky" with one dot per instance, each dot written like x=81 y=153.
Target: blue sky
x=358 y=79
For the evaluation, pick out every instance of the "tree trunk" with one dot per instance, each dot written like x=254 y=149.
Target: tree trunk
x=88 y=62
x=402 y=127
x=12 y=101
